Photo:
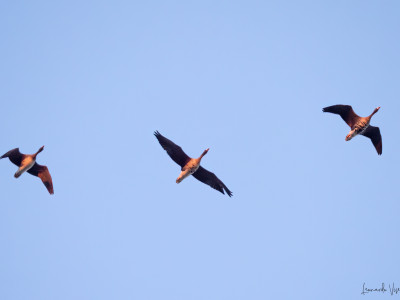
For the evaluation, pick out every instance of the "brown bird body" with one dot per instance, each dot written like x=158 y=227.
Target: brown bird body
x=358 y=125
x=191 y=166
x=27 y=163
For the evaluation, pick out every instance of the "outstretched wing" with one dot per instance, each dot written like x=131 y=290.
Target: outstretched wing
x=345 y=111
x=374 y=134
x=173 y=150
x=15 y=156
x=212 y=180
x=43 y=173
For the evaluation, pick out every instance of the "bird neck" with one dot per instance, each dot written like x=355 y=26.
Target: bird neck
x=374 y=112
x=40 y=150
x=204 y=153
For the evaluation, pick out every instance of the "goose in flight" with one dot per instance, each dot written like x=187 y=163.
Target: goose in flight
x=27 y=163
x=191 y=166
x=358 y=125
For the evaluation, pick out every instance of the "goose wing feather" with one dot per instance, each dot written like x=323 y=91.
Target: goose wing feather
x=173 y=150
x=212 y=180
x=15 y=156
x=374 y=134
x=43 y=173
x=345 y=111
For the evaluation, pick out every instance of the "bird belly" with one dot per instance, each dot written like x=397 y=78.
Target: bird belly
x=361 y=131
x=186 y=172
x=26 y=164
x=358 y=129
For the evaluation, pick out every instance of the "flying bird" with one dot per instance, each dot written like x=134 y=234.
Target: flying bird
x=191 y=166
x=27 y=163
x=358 y=125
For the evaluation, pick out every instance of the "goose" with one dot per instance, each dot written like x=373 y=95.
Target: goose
x=358 y=125
x=27 y=163
x=191 y=166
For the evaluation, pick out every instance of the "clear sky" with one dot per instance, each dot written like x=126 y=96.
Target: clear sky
x=312 y=216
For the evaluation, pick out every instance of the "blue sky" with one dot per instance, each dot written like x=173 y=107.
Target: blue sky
x=312 y=216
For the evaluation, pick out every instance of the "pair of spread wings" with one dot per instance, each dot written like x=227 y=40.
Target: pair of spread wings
x=180 y=157
x=37 y=170
x=351 y=118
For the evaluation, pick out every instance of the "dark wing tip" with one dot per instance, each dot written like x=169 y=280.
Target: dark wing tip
x=379 y=148
x=14 y=156
x=11 y=152
x=337 y=108
x=158 y=135
x=329 y=108
x=222 y=187
x=48 y=182
x=49 y=187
